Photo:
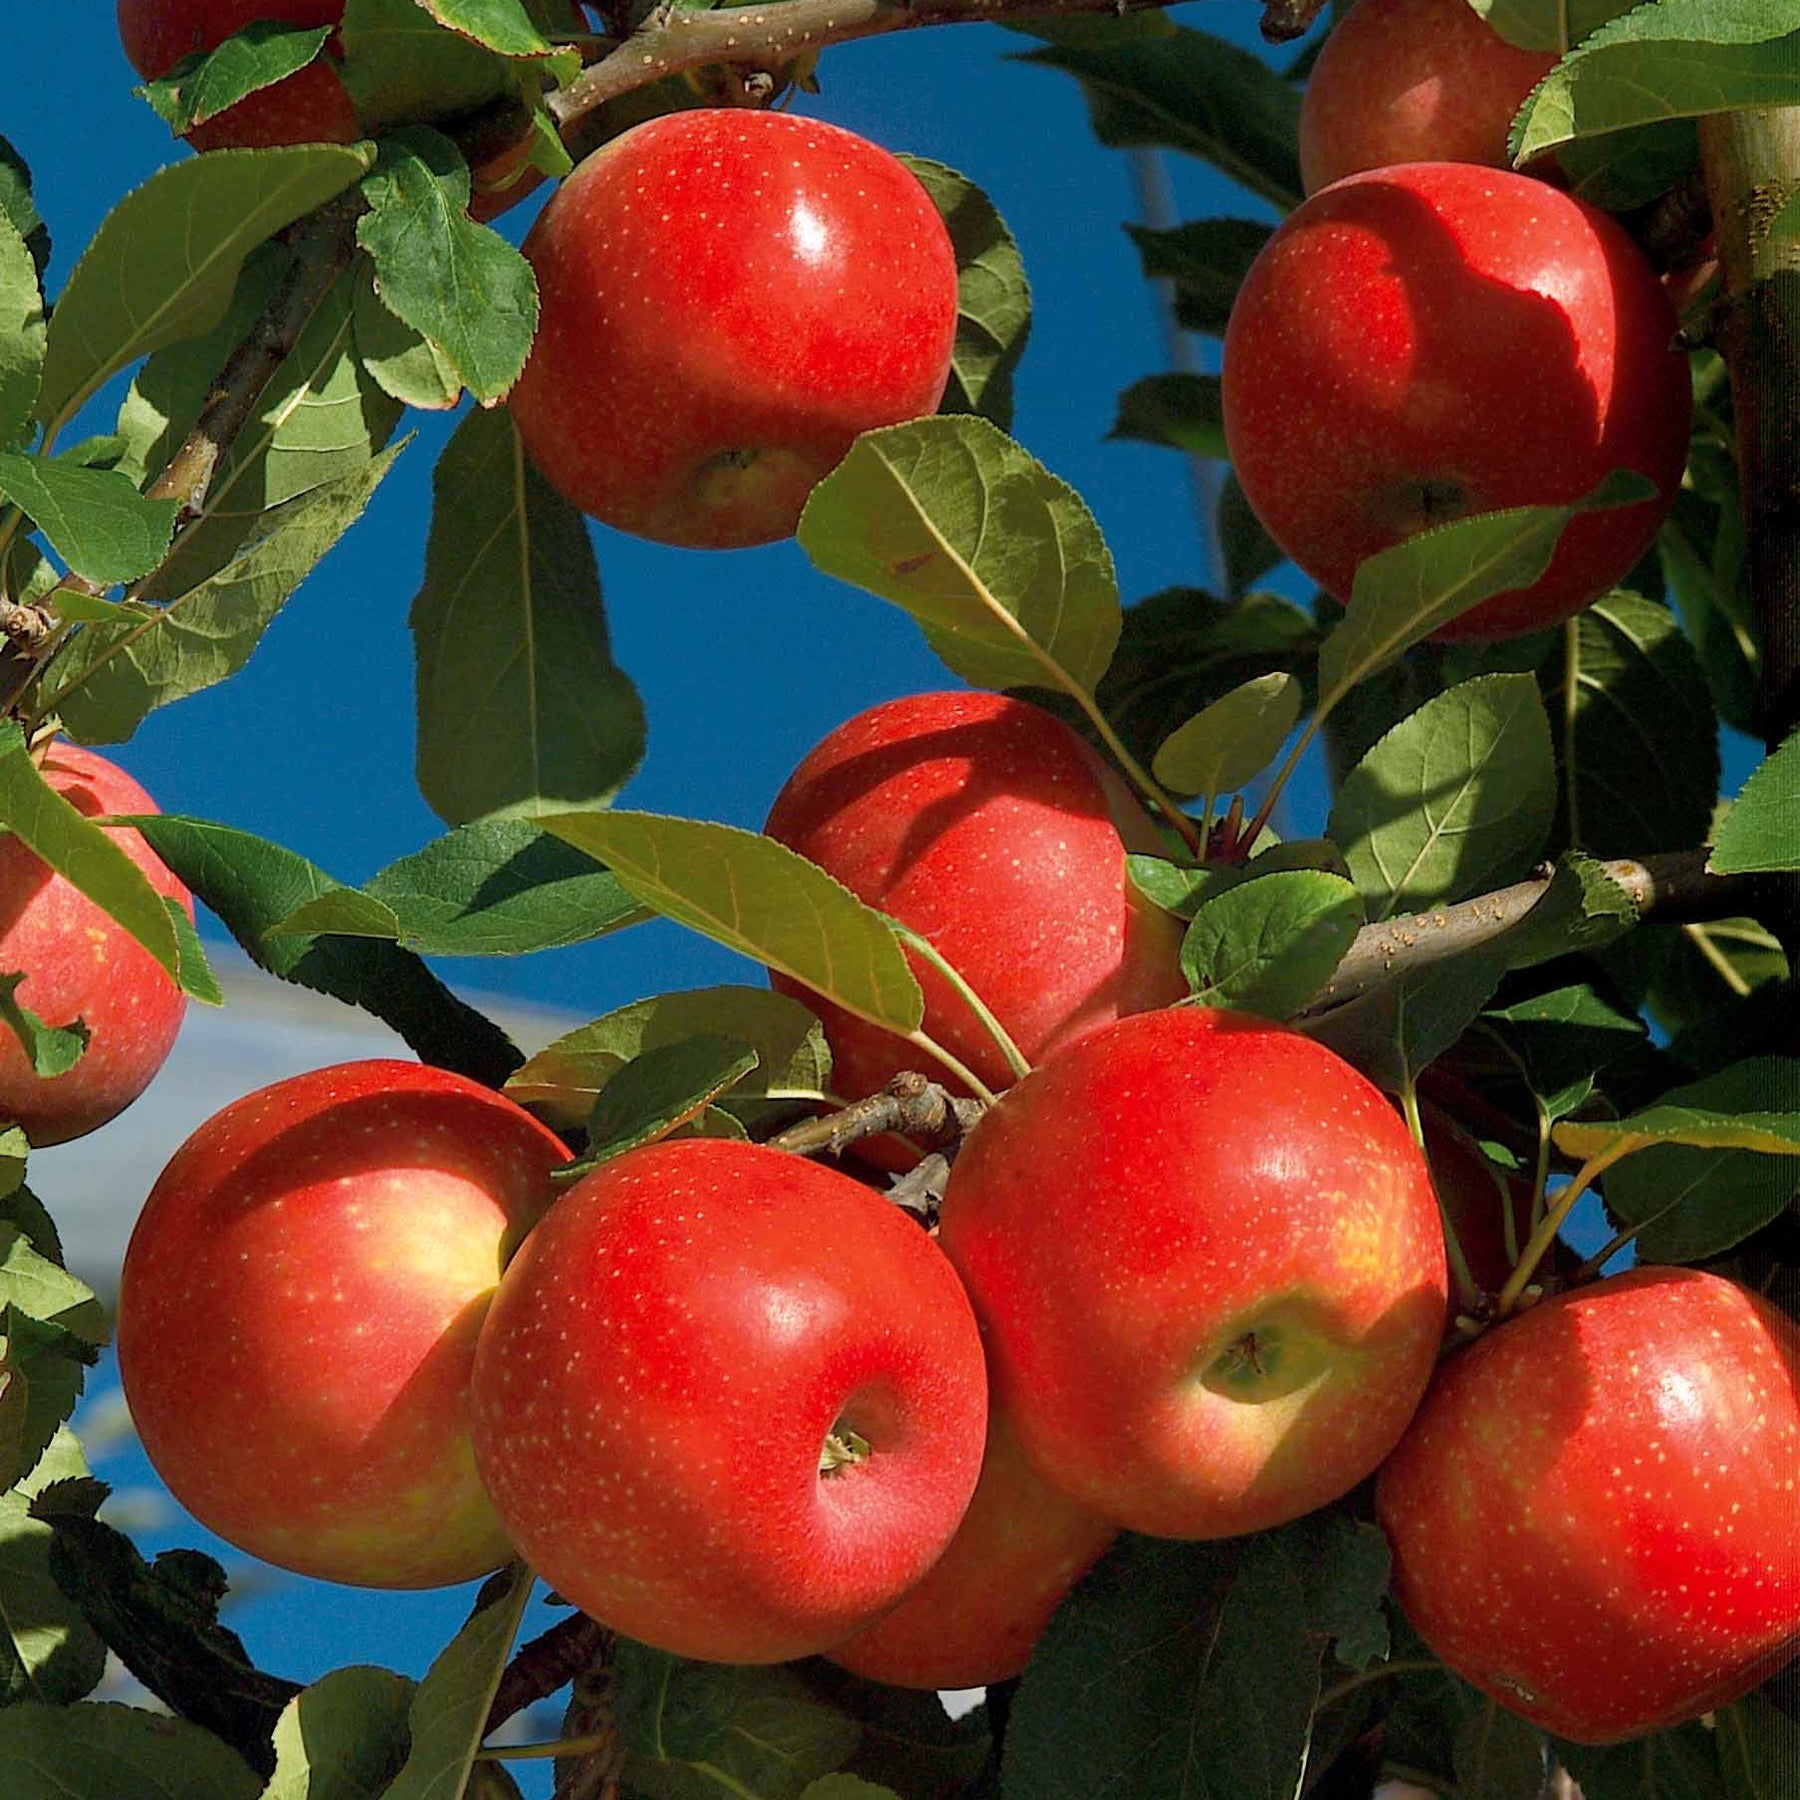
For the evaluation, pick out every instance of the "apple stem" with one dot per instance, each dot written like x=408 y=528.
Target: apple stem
x=1015 y=1059
x=1467 y=1293
x=1186 y=827
x=1545 y=1235
x=843 y=1449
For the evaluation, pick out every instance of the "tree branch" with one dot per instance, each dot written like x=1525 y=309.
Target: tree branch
x=550 y=1661
x=910 y=1104
x=770 y=37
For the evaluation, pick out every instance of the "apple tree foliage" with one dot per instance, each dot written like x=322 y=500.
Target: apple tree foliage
x=1581 y=1015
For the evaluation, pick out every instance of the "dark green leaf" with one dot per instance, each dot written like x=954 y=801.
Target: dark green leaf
x=1564 y=1038
x=343 y=1738
x=846 y=1787
x=165 y=261
x=909 y=1742
x=19 y=207
x=1207 y=260
x=1682 y=1764
x=1691 y=1204
x=21 y=329
x=47 y=1650
x=400 y=65
x=1548 y=24
x=512 y=644
x=1226 y=746
x=1702 y=553
x=1753 y=1105
x=1000 y=562
x=252 y=884
x=199 y=88
x=95 y=520
x=1644 y=769
x=1269 y=945
x=993 y=298
x=448 y=1715
x=402 y=362
x=464 y=288
x=1498 y=1756
x=161 y=1620
x=1249 y=552
x=664 y=1089
x=706 y=1731
x=1456 y=799
x=103 y=1751
x=1187 y=90
x=1759 y=1749
x=504 y=26
x=50 y=1049
x=48 y=1367
x=1620 y=171
x=1762 y=829
x=1183 y=412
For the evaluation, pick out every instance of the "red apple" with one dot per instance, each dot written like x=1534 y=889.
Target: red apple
x=728 y=299
x=1419 y=343
x=81 y=964
x=1206 y=1257
x=728 y=1401
x=986 y=825
x=310 y=106
x=973 y=1620
x=299 y=1309
x=1403 y=81
x=1592 y=1517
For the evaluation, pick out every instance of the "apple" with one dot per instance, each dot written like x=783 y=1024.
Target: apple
x=1206 y=1258
x=729 y=1402
x=973 y=1620
x=298 y=1314
x=729 y=299
x=987 y=826
x=1419 y=343
x=1403 y=81
x=81 y=964
x=310 y=106
x=1630 y=1450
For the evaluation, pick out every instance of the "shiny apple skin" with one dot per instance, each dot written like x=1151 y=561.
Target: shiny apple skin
x=1138 y=1209
x=729 y=299
x=988 y=827
x=79 y=963
x=1593 y=1515
x=1435 y=340
x=1402 y=81
x=975 y=1617
x=311 y=106
x=659 y=1374
x=299 y=1309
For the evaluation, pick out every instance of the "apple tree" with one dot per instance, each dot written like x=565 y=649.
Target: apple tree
x=1316 y=1456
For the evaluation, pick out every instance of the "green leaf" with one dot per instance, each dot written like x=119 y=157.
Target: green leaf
x=1182 y=412
x=1691 y=1204
x=845 y=1787
x=119 y=1752
x=1682 y=1764
x=95 y=519
x=198 y=88
x=401 y=65
x=252 y=884
x=402 y=362
x=48 y=1369
x=50 y=1049
x=503 y=26
x=161 y=1620
x=1248 y=550
x=1207 y=260
x=21 y=331
x=1347 y=1565
x=993 y=298
x=757 y=897
x=461 y=286
x=1701 y=549
x=343 y=1738
x=512 y=644
x=448 y=1715
x=341 y=912
x=1221 y=749
x=1638 y=737
x=909 y=1742
x=1456 y=799
x=1753 y=1105
x=502 y=887
x=564 y=1079
x=1665 y=60
x=1403 y=594
x=1001 y=564
x=1268 y=946
x=1759 y=1749
x=164 y=263
x=662 y=1090
x=1173 y=1669
x=708 y=1731
x=47 y=1650
x=1620 y=171
x=1187 y=90
x=1548 y=24
x=114 y=676
x=1498 y=1756
x=34 y=1282
x=1563 y=1039
x=1762 y=829
x=19 y=208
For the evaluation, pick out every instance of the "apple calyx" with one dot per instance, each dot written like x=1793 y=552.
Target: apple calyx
x=843 y=1449
x=1265 y=1361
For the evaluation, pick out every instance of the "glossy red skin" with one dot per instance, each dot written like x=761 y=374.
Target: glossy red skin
x=720 y=285
x=986 y=825
x=1631 y=1451
x=1466 y=331
x=79 y=963
x=973 y=1620
x=299 y=1309
x=1133 y=1208
x=659 y=1374
x=310 y=106
x=1402 y=81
